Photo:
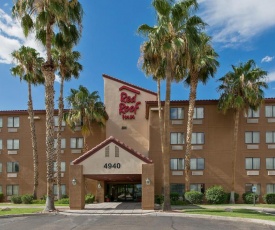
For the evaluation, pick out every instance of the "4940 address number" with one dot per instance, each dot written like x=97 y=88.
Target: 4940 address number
x=112 y=166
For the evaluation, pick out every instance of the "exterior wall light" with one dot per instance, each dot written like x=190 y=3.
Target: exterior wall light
x=99 y=185
x=147 y=181
x=74 y=181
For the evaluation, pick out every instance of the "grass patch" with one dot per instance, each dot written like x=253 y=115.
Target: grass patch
x=15 y=211
x=242 y=213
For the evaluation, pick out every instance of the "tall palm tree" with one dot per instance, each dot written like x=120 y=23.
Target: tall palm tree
x=45 y=17
x=28 y=68
x=85 y=109
x=241 y=89
x=202 y=63
x=175 y=26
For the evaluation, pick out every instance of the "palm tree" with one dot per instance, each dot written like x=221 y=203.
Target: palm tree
x=202 y=63
x=46 y=17
x=67 y=62
x=85 y=109
x=174 y=28
x=28 y=68
x=241 y=89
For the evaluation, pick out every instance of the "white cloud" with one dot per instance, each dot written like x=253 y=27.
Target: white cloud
x=57 y=78
x=267 y=59
x=12 y=38
x=271 y=77
x=6 y=4
x=233 y=22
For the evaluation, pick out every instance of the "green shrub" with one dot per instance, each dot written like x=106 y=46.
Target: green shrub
x=1 y=197
x=27 y=199
x=216 y=195
x=16 y=199
x=89 y=198
x=269 y=198
x=236 y=197
x=44 y=197
x=248 y=197
x=194 y=197
x=174 y=196
x=159 y=199
x=39 y=201
x=63 y=201
x=64 y=196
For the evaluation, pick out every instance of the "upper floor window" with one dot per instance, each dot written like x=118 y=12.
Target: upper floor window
x=270 y=137
x=13 y=122
x=270 y=163
x=198 y=113
x=1 y=144
x=252 y=163
x=177 y=164
x=56 y=121
x=1 y=122
x=12 y=167
x=77 y=143
x=197 y=138
x=197 y=164
x=12 y=144
x=12 y=190
x=176 y=138
x=176 y=113
x=253 y=114
x=62 y=166
x=63 y=143
x=270 y=111
x=252 y=137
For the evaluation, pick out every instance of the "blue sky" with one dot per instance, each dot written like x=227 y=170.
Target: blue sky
x=241 y=30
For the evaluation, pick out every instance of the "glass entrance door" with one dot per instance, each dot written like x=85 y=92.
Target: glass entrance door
x=125 y=192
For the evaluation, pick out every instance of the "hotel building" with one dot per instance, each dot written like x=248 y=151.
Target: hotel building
x=125 y=162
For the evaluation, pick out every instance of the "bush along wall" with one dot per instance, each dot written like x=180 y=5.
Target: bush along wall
x=216 y=195
x=269 y=198
x=248 y=197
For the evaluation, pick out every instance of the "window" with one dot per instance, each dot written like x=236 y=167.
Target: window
x=63 y=143
x=253 y=114
x=176 y=138
x=13 y=122
x=177 y=164
x=63 y=189
x=197 y=187
x=1 y=144
x=198 y=113
x=116 y=151
x=270 y=163
x=270 y=188
x=62 y=164
x=270 y=137
x=176 y=113
x=252 y=163
x=1 y=191
x=252 y=137
x=12 y=144
x=12 y=190
x=107 y=151
x=77 y=143
x=1 y=122
x=0 y=167
x=177 y=188
x=12 y=167
x=270 y=111
x=248 y=188
x=197 y=164
x=197 y=138
x=56 y=121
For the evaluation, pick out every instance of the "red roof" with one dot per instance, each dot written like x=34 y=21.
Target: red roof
x=111 y=139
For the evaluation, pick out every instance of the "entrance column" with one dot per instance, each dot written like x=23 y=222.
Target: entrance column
x=148 y=187
x=77 y=192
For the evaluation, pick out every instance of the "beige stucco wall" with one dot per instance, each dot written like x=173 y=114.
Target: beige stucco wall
x=129 y=163
x=136 y=135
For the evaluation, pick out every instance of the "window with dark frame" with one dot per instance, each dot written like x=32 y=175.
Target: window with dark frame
x=13 y=144
x=198 y=113
x=77 y=143
x=269 y=111
x=13 y=122
x=12 y=167
x=176 y=113
x=176 y=138
x=197 y=163
x=253 y=114
x=197 y=138
x=270 y=163
x=270 y=137
x=12 y=190
x=252 y=163
x=177 y=164
x=252 y=137
x=107 y=151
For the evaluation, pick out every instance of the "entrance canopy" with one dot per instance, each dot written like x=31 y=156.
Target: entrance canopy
x=112 y=161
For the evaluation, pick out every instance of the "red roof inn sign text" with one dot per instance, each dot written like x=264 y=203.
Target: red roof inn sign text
x=128 y=105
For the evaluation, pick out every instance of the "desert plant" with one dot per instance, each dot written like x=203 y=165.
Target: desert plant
x=248 y=197
x=89 y=198
x=16 y=199
x=27 y=199
x=194 y=197
x=216 y=195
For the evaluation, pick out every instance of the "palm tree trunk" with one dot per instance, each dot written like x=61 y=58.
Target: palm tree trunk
x=48 y=72
x=236 y=129
x=58 y=147
x=166 y=146
x=160 y=117
x=192 y=100
x=34 y=142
